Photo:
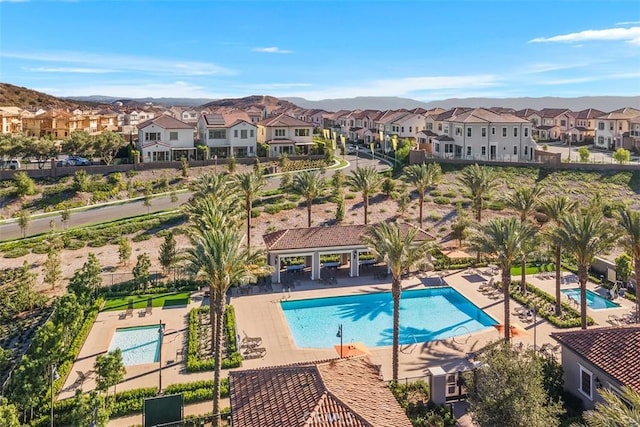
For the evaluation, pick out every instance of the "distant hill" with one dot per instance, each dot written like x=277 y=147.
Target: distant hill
x=29 y=99
x=178 y=102
x=270 y=102
x=604 y=103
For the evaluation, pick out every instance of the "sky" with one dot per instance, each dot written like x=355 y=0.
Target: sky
x=425 y=50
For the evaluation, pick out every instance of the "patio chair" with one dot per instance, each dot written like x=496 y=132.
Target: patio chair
x=148 y=309
x=129 y=312
x=248 y=341
x=254 y=353
x=81 y=377
x=486 y=285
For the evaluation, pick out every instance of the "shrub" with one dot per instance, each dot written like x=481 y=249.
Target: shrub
x=16 y=252
x=442 y=200
x=141 y=237
x=25 y=186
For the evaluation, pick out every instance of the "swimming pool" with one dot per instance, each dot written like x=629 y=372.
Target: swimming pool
x=140 y=344
x=594 y=301
x=425 y=315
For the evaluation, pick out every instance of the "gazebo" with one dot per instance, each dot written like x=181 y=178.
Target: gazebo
x=314 y=242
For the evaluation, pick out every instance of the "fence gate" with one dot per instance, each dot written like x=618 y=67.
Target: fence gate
x=455 y=389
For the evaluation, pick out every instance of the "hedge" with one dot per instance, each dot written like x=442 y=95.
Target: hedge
x=233 y=359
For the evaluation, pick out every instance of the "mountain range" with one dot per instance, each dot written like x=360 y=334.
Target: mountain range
x=12 y=95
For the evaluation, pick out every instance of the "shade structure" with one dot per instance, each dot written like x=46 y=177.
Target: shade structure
x=351 y=350
x=516 y=330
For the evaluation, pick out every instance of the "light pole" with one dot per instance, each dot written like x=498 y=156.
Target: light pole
x=339 y=335
x=161 y=333
x=569 y=142
x=215 y=167
x=54 y=376
x=535 y=312
x=356 y=156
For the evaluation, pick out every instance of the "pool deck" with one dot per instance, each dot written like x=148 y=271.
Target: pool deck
x=259 y=314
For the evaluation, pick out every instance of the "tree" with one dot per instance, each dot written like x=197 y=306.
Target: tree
x=629 y=220
x=556 y=209
x=218 y=257
x=624 y=267
x=614 y=411
x=388 y=186
x=310 y=185
x=8 y=414
x=340 y=207
x=124 y=250
x=507 y=390
x=480 y=182
x=89 y=410
x=585 y=236
x=81 y=181
x=24 y=218
x=141 y=270
x=68 y=316
x=584 y=154
x=174 y=196
x=399 y=249
x=184 y=167
x=232 y=164
x=65 y=215
x=402 y=199
x=212 y=184
x=109 y=371
x=503 y=238
x=148 y=193
x=250 y=184
x=52 y=265
x=107 y=144
x=367 y=181
x=25 y=186
x=78 y=143
x=524 y=200
x=85 y=281
x=285 y=182
x=422 y=177
x=41 y=149
x=460 y=226
x=622 y=155
x=168 y=252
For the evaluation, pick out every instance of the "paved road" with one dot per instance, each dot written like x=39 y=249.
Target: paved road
x=111 y=212
x=597 y=156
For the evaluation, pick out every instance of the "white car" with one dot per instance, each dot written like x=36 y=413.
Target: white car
x=352 y=149
x=10 y=164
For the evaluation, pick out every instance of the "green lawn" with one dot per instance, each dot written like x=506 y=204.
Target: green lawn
x=168 y=299
x=531 y=269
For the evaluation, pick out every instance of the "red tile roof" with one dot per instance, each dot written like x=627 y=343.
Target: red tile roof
x=614 y=350
x=166 y=122
x=322 y=237
x=283 y=120
x=338 y=392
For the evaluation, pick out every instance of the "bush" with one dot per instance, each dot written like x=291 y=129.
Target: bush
x=231 y=360
x=141 y=237
x=16 y=253
x=442 y=200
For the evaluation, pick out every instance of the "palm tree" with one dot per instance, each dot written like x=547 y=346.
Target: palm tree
x=503 y=238
x=556 y=209
x=250 y=184
x=396 y=245
x=367 y=181
x=615 y=411
x=422 y=176
x=310 y=185
x=480 y=181
x=218 y=258
x=630 y=222
x=524 y=200
x=585 y=236
x=213 y=183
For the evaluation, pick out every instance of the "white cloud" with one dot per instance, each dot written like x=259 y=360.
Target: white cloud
x=594 y=78
x=271 y=50
x=627 y=23
x=123 y=63
x=68 y=70
x=14 y=1
x=131 y=89
x=630 y=35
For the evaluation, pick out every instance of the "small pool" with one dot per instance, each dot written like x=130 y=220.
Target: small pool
x=594 y=301
x=425 y=315
x=140 y=344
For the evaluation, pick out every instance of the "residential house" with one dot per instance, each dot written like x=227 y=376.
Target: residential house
x=313 y=116
x=612 y=127
x=634 y=134
x=11 y=120
x=600 y=358
x=386 y=126
x=285 y=135
x=228 y=134
x=53 y=123
x=359 y=124
x=332 y=393
x=554 y=123
x=255 y=113
x=481 y=134
x=585 y=126
x=408 y=126
x=164 y=138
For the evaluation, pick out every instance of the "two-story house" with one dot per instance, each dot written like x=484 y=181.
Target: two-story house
x=164 y=139
x=408 y=126
x=585 y=126
x=611 y=128
x=11 y=120
x=480 y=134
x=228 y=134
x=554 y=123
x=285 y=135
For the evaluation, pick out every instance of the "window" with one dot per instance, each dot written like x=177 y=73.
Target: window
x=235 y=133
x=563 y=123
x=610 y=126
x=601 y=140
x=410 y=129
x=484 y=151
x=468 y=131
x=493 y=131
x=440 y=126
x=484 y=132
x=280 y=133
x=217 y=134
x=152 y=136
x=243 y=134
x=600 y=125
x=515 y=150
x=437 y=148
x=402 y=129
x=458 y=131
x=468 y=151
x=448 y=148
x=526 y=150
x=251 y=133
x=526 y=131
x=302 y=132
x=504 y=131
x=585 y=382
x=515 y=131
x=173 y=136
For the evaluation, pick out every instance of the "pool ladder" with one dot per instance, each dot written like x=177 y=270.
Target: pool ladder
x=468 y=334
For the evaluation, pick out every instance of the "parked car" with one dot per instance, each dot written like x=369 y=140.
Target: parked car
x=352 y=149
x=10 y=164
x=77 y=161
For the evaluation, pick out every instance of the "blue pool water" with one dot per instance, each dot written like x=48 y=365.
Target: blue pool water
x=140 y=344
x=594 y=301
x=425 y=315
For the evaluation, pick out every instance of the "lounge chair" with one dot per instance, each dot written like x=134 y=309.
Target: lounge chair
x=248 y=341
x=148 y=310
x=81 y=377
x=254 y=353
x=129 y=312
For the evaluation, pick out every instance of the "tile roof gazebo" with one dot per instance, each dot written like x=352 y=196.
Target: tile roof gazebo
x=313 y=242
x=337 y=392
